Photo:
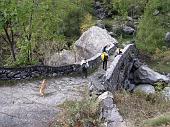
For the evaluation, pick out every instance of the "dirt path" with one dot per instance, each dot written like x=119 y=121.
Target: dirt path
x=22 y=106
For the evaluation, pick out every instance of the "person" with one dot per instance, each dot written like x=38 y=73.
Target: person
x=104 y=57
x=118 y=51
x=84 y=67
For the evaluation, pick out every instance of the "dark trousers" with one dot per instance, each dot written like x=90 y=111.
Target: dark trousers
x=105 y=65
x=84 y=72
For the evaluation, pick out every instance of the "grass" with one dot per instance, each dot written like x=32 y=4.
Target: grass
x=79 y=113
x=139 y=107
x=162 y=120
x=161 y=61
x=160 y=67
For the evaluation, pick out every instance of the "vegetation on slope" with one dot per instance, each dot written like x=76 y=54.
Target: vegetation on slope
x=29 y=30
x=137 y=108
x=153 y=27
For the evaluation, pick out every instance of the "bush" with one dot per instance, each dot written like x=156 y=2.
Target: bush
x=138 y=107
x=158 y=121
x=78 y=113
x=152 y=28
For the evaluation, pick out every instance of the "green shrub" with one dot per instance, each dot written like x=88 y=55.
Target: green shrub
x=158 y=121
x=79 y=112
x=152 y=28
x=138 y=107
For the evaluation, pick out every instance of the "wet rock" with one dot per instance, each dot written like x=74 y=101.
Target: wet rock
x=146 y=75
x=145 y=88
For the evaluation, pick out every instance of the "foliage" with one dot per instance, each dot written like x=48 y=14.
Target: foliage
x=35 y=23
x=158 y=121
x=87 y=23
x=138 y=107
x=161 y=60
x=77 y=113
x=152 y=28
x=159 y=86
x=122 y=7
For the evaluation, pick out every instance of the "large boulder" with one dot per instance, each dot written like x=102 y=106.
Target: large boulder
x=92 y=41
x=146 y=75
x=145 y=88
x=62 y=58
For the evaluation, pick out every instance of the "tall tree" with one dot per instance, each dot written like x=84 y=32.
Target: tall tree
x=8 y=22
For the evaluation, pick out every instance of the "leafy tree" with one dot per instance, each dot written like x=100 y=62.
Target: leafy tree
x=8 y=23
x=153 y=28
x=34 y=28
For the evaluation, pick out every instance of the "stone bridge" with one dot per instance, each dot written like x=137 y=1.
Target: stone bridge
x=21 y=104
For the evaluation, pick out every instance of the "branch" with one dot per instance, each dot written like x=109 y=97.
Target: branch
x=7 y=34
x=5 y=39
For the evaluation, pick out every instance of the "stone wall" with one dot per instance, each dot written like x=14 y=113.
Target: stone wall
x=109 y=113
x=7 y=73
x=120 y=68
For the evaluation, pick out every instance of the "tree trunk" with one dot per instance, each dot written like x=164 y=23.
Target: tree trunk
x=10 y=41
x=0 y=52
x=13 y=52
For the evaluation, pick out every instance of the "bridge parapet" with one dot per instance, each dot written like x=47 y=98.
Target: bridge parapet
x=8 y=73
x=120 y=68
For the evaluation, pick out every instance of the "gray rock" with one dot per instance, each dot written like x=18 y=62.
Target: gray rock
x=128 y=30
x=145 y=88
x=100 y=24
x=130 y=22
x=92 y=42
x=137 y=63
x=88 y=124
x=109 y=112
x=117 y=30
x=63 y=58
x=166 y=93
x=167 y=38
x=128 y=86
x=130 y=18
x=146 y=75
x=156 y=12
x=131 y=87
x=105 y=95
x=98 y=5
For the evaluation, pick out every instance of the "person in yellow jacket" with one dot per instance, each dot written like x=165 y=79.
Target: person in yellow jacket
x=104 y=57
